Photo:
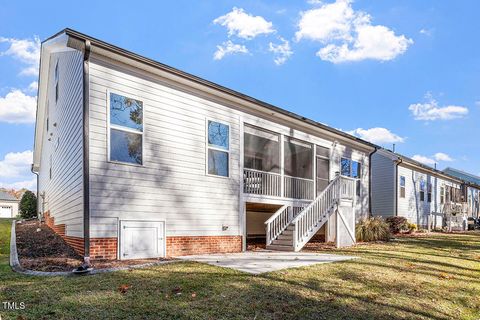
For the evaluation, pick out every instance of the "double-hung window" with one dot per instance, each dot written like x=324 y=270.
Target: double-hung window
x=442 y=195
x=126 y=129
x=218 y=148
x=402 y=186
x=422 y=190
x=352 y=169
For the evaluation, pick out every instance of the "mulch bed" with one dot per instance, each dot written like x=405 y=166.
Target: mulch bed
x=41 y=249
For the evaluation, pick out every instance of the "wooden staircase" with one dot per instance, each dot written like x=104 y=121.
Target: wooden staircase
x=286 y=232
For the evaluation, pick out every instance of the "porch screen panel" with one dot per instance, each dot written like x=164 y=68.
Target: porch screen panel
x=298 y=159
x=261 y=150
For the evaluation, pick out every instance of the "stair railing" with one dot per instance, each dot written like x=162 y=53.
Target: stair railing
x=318 y=210
x=278 y=222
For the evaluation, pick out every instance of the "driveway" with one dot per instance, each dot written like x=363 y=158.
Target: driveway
x=257 y=262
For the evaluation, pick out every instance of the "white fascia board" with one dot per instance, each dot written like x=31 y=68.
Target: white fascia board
x=54 y=45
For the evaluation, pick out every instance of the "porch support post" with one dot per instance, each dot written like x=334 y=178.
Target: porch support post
x=282 y=165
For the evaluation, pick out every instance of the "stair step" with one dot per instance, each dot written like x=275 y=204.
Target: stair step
x=283 y=242
x=287 y=232
x=290 y=228
x=280 y=247
x=285 y=237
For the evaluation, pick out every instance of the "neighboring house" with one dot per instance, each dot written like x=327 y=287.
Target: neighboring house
x=404 y=187
x=473 y=189
x=137 y=159
x=8 y=205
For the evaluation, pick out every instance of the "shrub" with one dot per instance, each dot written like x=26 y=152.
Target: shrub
x=397 y=224
x=412 y=227
x=372 y=229
x=28 y=205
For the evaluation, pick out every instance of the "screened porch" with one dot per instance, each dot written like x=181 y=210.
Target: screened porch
x=283 y=167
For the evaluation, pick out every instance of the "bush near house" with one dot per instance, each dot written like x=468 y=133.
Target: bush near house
x=397 y=224
x=372 y=229
x=28 y=205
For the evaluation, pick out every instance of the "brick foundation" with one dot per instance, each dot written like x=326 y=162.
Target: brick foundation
x=182 y=246
x=106 y=248
x=103 y=248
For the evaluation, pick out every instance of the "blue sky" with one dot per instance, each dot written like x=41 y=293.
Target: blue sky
x=390 y=71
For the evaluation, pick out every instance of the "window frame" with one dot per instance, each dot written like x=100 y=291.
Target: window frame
x=56 y=81
x=429 y=192
x=125 y=129
x=421 y=190
x=404 y=187
x=351 y=168
x=228 y=151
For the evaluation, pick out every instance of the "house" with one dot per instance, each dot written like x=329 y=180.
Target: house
x=472 y=188
x=8 y=205
x=403 y=187
x=137 y=159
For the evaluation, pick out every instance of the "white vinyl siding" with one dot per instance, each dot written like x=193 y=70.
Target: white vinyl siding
x=172 y=185
x=411 y=207
x=63 y=144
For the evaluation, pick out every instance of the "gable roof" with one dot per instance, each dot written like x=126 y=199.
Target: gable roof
x=5 y=196
x=463 y=175
x=69 y=38
x=404 y=159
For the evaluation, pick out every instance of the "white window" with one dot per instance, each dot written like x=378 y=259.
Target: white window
x=402 y=186
x=125 y=129
x=218 y=149
x=56 y=83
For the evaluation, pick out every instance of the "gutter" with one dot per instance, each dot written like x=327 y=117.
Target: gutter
x=86 y=148
x=370 y=182
x=397 y=162
x=38 y=192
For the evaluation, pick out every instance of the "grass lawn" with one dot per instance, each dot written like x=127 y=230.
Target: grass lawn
x=429 y=277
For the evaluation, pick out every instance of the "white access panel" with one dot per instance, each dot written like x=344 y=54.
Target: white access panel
x=142 y=239
x=6 y=212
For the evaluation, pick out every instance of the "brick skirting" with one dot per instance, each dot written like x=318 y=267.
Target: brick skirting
x=106 y=248
x=103 y=248
x=185 y=245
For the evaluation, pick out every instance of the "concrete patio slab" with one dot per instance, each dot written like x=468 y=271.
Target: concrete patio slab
x=257 y=262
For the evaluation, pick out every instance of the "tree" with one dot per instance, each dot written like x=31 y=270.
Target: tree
x=28 y=205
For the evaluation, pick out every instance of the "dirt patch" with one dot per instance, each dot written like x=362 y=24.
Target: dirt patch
x=41 y=249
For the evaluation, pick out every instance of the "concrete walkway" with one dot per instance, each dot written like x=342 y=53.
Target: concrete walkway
x=257 y=262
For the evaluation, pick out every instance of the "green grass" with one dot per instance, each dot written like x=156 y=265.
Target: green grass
x=431 y=277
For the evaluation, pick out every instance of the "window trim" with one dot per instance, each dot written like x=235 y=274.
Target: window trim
x=420 y=190
x=125 y=129
x=351 y=167
x=228 y=151
x=404 y=187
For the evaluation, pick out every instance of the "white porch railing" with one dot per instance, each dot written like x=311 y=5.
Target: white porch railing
x=278 y=222
x=310 y=220
x=298 y=188
x=262 y=183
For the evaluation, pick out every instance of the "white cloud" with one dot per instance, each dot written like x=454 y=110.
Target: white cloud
x=437 y=157
x=430 y=111
x=281 y=51
x=377 y=135
x=16 y=165
x=17 y=107
x=348 y=35
x=26 y=51
x=440 y=156
x=33 y=86
x=425 y=160
x=227 y=48
x=244 y=25
x=426 y=32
